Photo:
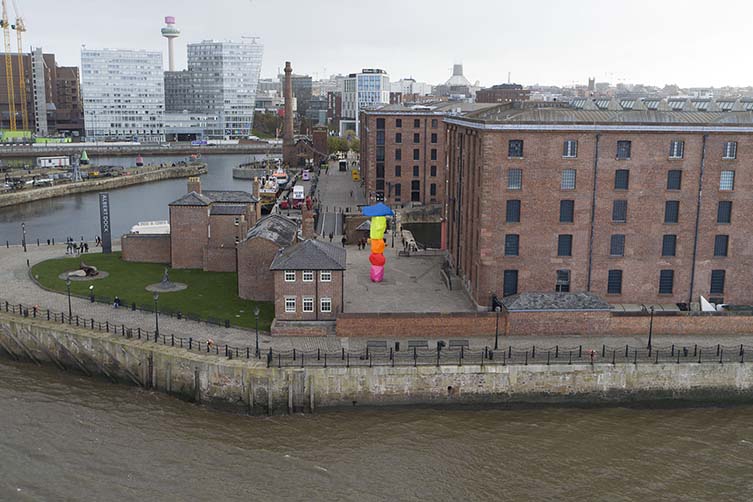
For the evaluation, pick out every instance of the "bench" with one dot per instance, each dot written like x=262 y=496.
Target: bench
x=418 y=344
x=376 y=344
x=456 y=344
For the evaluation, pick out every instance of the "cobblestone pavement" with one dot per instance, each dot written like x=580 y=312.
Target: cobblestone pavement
x=17 y=287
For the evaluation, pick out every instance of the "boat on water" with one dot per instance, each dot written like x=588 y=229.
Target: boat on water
x=282 y=177
x=139 y=161
x=268 y=191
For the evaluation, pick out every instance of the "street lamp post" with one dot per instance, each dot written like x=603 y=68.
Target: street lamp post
x=91 y=293
x=497 y=308
x=256 y=315
x=68 y=287
x=156 y=317
x=23 y=230
x=650 y=328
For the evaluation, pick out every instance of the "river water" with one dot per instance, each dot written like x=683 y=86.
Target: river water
x=78 y=215
x=66 y=437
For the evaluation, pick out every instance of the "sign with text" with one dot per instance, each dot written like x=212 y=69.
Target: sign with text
x=104 y=221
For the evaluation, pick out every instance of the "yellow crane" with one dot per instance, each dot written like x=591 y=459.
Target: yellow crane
x=20 y=28
x=8 y=67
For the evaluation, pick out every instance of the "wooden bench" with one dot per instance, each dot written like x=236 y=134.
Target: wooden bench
x=456 y=344
x=418 y=344
x=376 y=344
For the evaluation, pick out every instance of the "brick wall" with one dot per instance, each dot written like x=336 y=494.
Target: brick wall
x=315 y=289
x=146 y=248
x=417 y=325
x=255 y=280
x=220 y=259
x=621 y=324
x=189 y=227
x=425 y=133
x=478 y=192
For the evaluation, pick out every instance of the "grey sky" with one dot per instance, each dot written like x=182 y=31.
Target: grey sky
x=691 y=43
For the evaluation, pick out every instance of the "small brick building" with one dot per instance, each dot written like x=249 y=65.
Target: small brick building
x=206 y=226
x=256 y=252
x=309 y=281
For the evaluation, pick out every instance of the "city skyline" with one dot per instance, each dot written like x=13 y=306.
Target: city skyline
x=652 y=43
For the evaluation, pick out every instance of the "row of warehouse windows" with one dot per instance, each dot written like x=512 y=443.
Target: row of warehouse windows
x=399 y=154
x=416 y=137
x=621 y=179
x=399 y=171
x=614 y=282
x=619 y=211
x=616 y=245
x=381 y=123
x=623 y=149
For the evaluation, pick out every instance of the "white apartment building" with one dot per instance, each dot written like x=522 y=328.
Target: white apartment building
x=408 y=86
x=225 y=77
x=362 y=91
x=124 y=96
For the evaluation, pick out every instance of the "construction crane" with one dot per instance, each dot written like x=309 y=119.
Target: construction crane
x=20 y=29
x=8 y=67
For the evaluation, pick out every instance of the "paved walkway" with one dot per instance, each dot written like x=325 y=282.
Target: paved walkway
x=337 y=194
x=17 y=287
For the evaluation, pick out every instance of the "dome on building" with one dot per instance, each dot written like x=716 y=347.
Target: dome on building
x=457 y=79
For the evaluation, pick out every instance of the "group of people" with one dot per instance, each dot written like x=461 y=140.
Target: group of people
x=73 y=248
x=362 y=243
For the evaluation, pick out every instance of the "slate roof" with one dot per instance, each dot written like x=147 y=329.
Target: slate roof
x=192 y=199
x=624 y=112
x=310 y=255
x=233 y=196
x=275 y=228
x=226 y=210
x=526 y=302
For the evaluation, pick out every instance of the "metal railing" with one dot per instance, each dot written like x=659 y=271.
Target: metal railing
x=369 y=357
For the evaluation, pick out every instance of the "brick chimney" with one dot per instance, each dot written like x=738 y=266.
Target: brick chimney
x=307 y=222
x=194 y=184
x=255 y=187
x=288 y=135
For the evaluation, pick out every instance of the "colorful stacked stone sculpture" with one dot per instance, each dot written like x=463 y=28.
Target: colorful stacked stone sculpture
x=378 y=213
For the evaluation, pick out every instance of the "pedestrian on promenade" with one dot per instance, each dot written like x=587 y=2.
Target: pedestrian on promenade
x=330 y=236
x=344 y=240
x=116 y=303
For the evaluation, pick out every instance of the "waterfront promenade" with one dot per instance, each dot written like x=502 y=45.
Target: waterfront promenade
x=18 y=287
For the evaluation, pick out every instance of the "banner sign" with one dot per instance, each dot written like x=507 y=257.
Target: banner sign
x=104 y=221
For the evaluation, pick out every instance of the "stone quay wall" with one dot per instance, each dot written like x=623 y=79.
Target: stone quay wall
x=248 y=386
x=99 y=185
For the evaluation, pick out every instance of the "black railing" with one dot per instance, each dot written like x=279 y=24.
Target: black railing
x=370 y=357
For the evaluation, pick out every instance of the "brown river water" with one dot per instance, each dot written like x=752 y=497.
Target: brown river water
x=64 y=437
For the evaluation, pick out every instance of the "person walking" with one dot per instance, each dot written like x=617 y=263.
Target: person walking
x=330 y=236
x=344 y=240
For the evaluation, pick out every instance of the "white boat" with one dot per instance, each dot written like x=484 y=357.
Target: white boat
x=151 y=227
x=282 y=178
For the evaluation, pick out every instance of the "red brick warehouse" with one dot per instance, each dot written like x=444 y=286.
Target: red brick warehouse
x=637 y=201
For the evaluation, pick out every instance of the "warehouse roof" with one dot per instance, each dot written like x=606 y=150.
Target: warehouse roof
x=526 y=302
x=310 y=255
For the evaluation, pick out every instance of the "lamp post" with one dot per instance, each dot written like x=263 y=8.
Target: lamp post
x=650 y=328
x=156 y=317
x=68 y=287
x=497 y=308
x=23 y=230
x=256 y=315
x=91 y=293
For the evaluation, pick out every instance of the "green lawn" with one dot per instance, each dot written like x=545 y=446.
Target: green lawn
x=209 y=294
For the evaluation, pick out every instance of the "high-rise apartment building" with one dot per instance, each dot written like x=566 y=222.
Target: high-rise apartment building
x=124 y=95
x=223 y=81
x=362 y=91
x=53 y=97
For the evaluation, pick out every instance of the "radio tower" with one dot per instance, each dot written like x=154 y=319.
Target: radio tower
x=170 y=32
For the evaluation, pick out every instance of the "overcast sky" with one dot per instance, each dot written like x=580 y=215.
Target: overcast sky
x=689 y=42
